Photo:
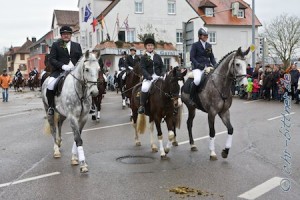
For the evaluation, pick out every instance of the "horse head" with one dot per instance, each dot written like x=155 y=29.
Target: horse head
x=172 y=79
x=90 y=69
x=239 y=66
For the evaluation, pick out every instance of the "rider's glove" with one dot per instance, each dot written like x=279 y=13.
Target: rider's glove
x=67 y=67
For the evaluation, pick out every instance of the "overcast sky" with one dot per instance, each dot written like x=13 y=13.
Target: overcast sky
x=32 y=18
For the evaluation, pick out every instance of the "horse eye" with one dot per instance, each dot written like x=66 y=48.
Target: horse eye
x=237 y=64
x=86 y=69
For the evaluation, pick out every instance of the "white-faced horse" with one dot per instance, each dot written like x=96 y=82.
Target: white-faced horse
x=216 y=97
x=74 y=103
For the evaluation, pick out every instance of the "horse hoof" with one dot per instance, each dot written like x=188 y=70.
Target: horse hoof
x=84 y=168
x=167 y=150
x=74 y=162
x=138 y=144
x=194 y=148
x=154 y=149
x=57 y=155
x=93 y=117
x=213 y=158
x=225 y=153
x=175 y=143
x=164 y=157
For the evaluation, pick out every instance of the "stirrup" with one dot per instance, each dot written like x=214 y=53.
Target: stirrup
x=50 y=111
x=141 y=110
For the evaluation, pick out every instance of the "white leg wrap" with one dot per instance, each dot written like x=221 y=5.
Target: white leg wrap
x=123 y=102
x=80 y=154
x=229 y=142
x=161 y=146
x=212 y=144
x=98 y=115
x=74 y=149
x=169 y=144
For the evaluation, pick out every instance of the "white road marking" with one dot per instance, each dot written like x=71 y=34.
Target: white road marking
x=200 y=138
x=29 y=179
x=253 y=101
x=11 y=115
x=104 y=127
x=262 y=188
x=280 y=116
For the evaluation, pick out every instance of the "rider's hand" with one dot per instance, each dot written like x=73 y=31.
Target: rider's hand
x=67 y=67
x=130 y=68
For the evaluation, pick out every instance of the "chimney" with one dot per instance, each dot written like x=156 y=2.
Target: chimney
x=33 y=39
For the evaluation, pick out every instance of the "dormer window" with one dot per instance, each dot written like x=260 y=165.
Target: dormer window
x=209 y=12
x=241 y=13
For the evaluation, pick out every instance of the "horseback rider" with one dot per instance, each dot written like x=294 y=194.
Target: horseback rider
x=33 y=73
x=18 y=74
x=132 y=59
x=101 y=64
x=122 y=68
x=201 y=57
x=63 y=56
x=152 y=68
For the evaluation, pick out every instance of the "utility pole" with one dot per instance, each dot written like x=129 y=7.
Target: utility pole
x=253 y=31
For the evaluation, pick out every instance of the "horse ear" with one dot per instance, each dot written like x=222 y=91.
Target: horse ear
x=175 y=71
x=97 y=55
x=183 y=71
x=239 y=51
x=87 y=54
x=246 y=52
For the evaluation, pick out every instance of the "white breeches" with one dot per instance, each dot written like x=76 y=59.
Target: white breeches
x=197 y=76
x=51 y=83
x=147 y=84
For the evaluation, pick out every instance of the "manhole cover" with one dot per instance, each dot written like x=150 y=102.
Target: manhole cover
x=135 y=159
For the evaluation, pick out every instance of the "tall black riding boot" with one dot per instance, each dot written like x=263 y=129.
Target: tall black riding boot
x=50 y=97
x=193 y=93
x=143 y=99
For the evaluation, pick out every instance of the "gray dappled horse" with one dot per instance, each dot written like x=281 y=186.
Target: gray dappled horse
x=216 y=97
x=163 y=103
x=74 y=103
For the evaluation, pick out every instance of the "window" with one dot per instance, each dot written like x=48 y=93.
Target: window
x=82 y=14
x=212 y=37
x=90 y=39
x=167 y=63
x=130 y=36
x=209 y=12
x=22 y=56
x=241 y=14
x=98 y=36
x=121 y=36
x=171 y=7
x=138 y=6
x=179 y=37
x=8 y=58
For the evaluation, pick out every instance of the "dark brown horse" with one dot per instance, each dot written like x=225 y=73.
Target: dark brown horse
x=163 y=103
x=34 y=82
x=133 y=78
x=18 y=84
x=96 y=101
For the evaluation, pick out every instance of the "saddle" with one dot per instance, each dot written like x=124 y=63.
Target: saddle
x=60 y=82
x=187 y=88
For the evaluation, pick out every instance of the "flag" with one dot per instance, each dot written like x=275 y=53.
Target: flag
x=87 y=13
x=102 y=21
x=126 y=24
x=94 y=24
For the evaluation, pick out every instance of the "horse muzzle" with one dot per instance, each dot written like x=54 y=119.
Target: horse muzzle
x=94 y=91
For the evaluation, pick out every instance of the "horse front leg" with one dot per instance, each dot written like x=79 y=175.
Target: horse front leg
x=160 y=139
x=77 y=128
x=226 y=120
x=99 y=106
x=212 y=132
x=171 y=132
x=189 y=122
x=52 y=120
x=151 y=130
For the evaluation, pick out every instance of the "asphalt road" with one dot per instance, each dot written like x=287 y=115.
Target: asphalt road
x=120 y=170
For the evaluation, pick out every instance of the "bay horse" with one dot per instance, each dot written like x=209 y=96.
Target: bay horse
x=74 y=103
x=163 y=103
x=34 y=82
x=216 y=97
x=96 y=101
x=18 y=84
x=133 y=77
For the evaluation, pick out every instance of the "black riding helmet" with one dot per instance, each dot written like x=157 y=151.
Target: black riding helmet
x=201 y=31
x=65 y=29
x=149 y=41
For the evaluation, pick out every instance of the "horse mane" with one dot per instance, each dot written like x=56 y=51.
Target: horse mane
x=224 y=57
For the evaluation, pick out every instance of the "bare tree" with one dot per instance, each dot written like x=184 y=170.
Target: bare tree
x=283 y=36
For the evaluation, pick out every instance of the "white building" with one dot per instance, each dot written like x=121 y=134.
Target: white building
x=126 y=20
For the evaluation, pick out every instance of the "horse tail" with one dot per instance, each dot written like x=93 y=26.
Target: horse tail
x=141 y=123
x=179 y=117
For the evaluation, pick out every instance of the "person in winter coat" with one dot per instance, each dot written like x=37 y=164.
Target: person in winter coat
x=249 y=88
